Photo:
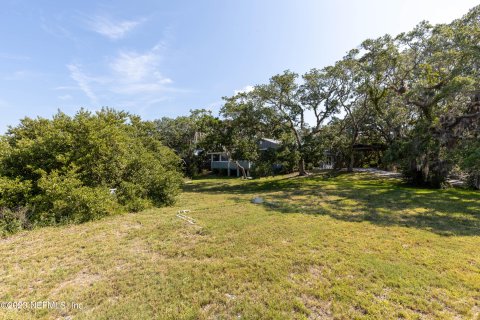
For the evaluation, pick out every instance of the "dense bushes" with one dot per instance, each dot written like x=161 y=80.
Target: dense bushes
x=14 y=192
x=75 y=169
x=275 y=161
x=13 y=220
x=471 y=163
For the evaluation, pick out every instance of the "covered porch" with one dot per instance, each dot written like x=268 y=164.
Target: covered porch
x=219 y=161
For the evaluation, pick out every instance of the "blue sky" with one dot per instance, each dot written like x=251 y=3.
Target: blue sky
x=162 y=58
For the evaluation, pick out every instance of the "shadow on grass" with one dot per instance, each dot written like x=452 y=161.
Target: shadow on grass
x=361 y=197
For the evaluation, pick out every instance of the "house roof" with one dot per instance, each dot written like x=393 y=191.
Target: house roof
x=271 y=140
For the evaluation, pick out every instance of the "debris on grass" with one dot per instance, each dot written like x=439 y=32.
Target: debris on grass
x=184 y=217
x=230 y=296
x=257 y=200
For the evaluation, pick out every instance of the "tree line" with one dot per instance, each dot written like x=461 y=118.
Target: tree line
x=415 y=96
x=412 y=99
x=75 y=169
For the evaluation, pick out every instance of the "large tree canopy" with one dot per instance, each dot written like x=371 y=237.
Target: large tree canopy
x=416 y=94
x=280 y=109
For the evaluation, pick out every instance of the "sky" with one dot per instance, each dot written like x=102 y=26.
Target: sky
x=157 y=58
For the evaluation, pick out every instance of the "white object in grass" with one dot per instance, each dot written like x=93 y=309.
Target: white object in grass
x=184 y=217
x=257 y=200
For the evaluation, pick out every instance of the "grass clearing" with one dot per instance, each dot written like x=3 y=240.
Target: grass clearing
x=345 y=246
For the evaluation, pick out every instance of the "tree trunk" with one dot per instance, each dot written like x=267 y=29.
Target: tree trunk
x=352 y=161
x=301 y=167
x=352 y=156
x=476 y=181
x=242 y=169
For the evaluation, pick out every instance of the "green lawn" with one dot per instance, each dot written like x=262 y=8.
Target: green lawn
x=346 y=246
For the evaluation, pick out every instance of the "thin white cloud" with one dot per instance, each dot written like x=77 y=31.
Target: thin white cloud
x=130 y=76
x=134 y=66
x=139 y=72
x=83 y=82
x=68 y=88
x=65 y=97
x=111 y=28
x=245 y=89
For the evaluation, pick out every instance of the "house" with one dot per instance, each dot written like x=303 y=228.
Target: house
x=219 y=160
x=265 y=144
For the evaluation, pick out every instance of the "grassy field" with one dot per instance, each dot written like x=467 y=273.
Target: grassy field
x=322 y=247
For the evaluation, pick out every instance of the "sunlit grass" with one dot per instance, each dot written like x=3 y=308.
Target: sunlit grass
x=346 y=246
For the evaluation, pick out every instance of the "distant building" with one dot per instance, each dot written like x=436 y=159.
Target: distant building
x=265 y=144
x=219 y=160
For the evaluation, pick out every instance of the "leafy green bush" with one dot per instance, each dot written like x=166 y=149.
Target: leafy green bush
x=262 y=169
x=63 y=199
x=132 y=196
x=62 y=170
x=14 y=192
x=275 y=161
x=422 y=159
x=471 y=164
x=13 y=220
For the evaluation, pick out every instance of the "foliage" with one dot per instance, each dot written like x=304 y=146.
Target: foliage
x=14 y=192
x=186 y=135
x=62 y=170
x=62 y=198
x=272 y=162
x=13 y=220
x=471 y=163
x=416 y=94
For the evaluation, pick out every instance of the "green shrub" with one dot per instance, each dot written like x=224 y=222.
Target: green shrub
x=14 y=192
x=262 y=169
x=63 y=199
x=471 y=163
x=62 y=170
x=13 y=220
x=132 y=196
x=423 y=161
